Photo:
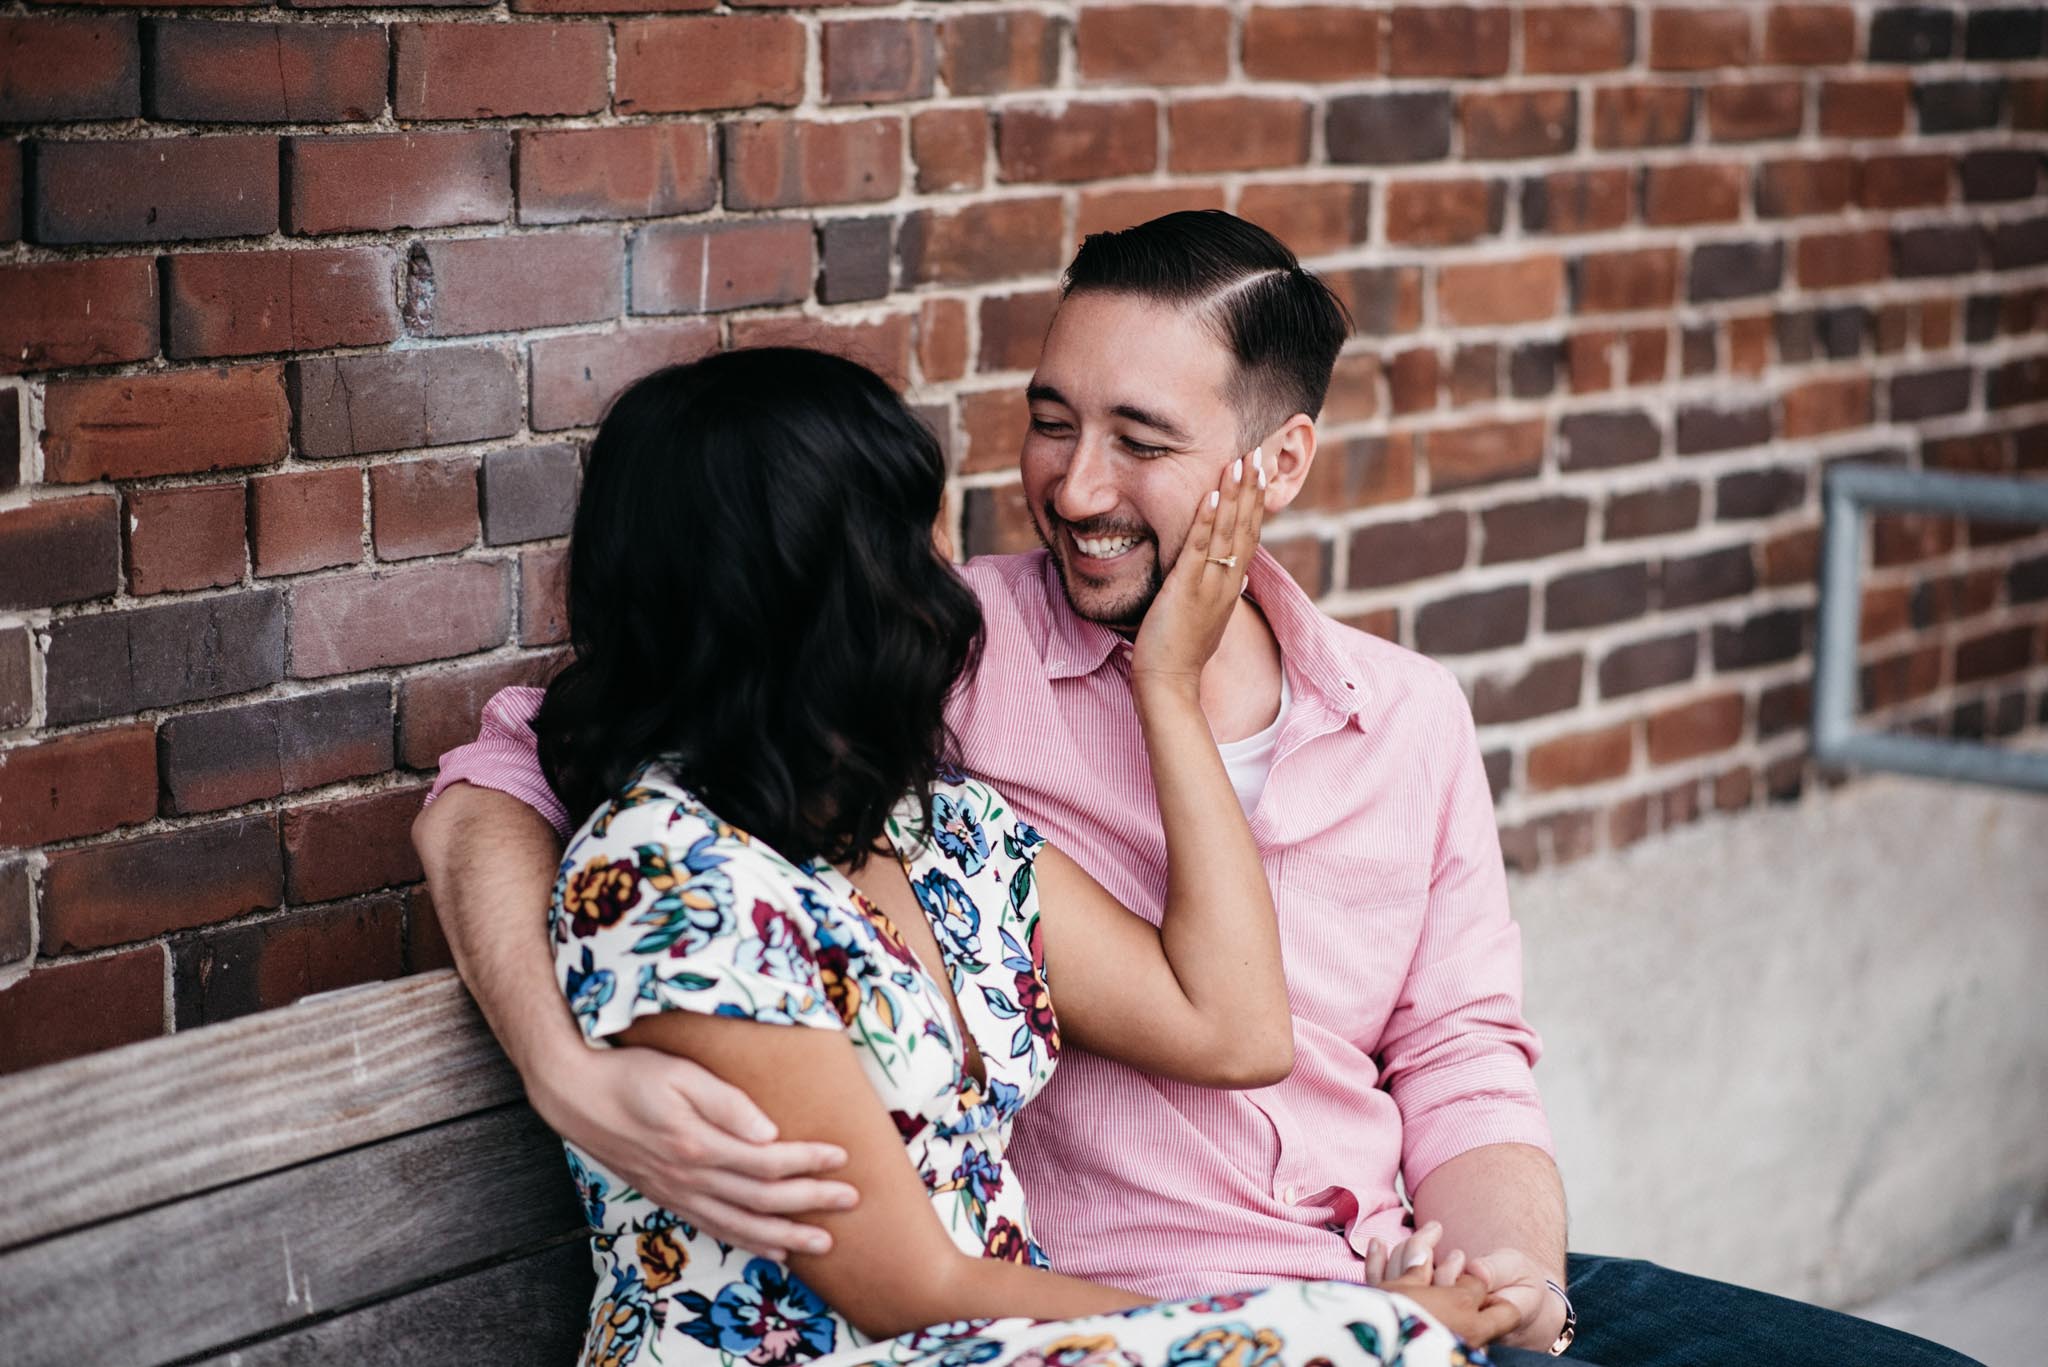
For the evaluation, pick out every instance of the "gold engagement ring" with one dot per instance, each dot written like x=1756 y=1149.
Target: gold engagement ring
x=1228 y=562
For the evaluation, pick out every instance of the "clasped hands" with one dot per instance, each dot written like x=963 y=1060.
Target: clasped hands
x=1505 y=1275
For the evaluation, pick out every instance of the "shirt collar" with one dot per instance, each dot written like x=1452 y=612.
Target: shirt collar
x=1076 y=646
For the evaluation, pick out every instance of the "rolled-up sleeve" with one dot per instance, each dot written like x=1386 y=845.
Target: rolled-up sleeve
x=1456 y=1056
x=506 y=756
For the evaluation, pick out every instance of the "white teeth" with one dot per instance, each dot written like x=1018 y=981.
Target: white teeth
x=1105 y=548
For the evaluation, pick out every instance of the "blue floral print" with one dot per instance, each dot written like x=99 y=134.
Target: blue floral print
x=767 y=1318
x=958 y=834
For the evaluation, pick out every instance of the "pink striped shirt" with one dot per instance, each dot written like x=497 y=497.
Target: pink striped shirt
x=1403 y=965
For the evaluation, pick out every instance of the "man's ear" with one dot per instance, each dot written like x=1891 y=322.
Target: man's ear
x=1290 y=455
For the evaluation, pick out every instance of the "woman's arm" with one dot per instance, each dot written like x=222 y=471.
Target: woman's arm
x=892 y=1268
x=1202 y=997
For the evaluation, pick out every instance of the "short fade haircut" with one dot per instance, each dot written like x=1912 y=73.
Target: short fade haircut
x=1282 y=324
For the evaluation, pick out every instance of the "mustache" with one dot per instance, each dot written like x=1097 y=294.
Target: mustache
x=1100 y=527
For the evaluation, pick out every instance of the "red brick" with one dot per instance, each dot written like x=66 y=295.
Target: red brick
x=1900 y=538
x=882 y=345
x=374 y=182
x=1413 y=380
x=1519 y=123
x=879 y=61
x=782 y=163
x=234 y=755
x=1236 y=133
x=1487 y=619
x=1354 y=389
x=1699 y=39
x=604 y=6
x=576 y=378
x=1013 y=328
x=355 y=622
x=229 y=971
x=1382 y=299
x=191 y=538
x=1448 y=40
x=396 y=400
x=423 y=507
x=637 y=171
x=1077 y=141
x=182 y=422
x=1474 y=294
x=114 y=664
x=99 y=311
x=996 y=522
x=155 y=189
x=673 y=66
x=458 y=288
x=490 y=71
x=994 y=421
x=1642 y=116
x=10 y=190
x=64 y=67
x=17 y=663
x=128 y=890
x=1572 y=39
x=1316 y=43
x=68 y=1010
x=59 y=550
x=1696 y=728
x=1153 y=44
x=543 y=596
x=1314 y=217
x=1577 y=201
x=207 y=72
x=950 y=147
x=1108 y=210
x=942 y=339
x=679 y=268
x=77 y=785
x=858 y=257
x=250 y=303
x=1586 y=757
x=16 y=913
x=1790 y=189
x=442 y=709
x=426 y=944
x=306 y=520
x=1359 y=472
x=1809 y=35
x=1398 y=552
x=1907 y=182
x=1483 y=453
x=1546 y=686
x=991 y=53
x=529 y=492
x=1306 y=560
x=1441 y=213
x=1756 y=111
x=986 y=241
x=1627 y=281
x=1865 y=107
x=1694 y=192
x=1827 y=261
x=1822 y=406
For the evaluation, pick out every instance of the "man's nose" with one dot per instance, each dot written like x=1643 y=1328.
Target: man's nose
x=1088 y=488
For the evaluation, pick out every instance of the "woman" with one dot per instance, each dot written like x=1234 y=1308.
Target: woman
x=783 y=878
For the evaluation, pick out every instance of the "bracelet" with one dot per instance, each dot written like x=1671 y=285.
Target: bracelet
x=1570 y=1331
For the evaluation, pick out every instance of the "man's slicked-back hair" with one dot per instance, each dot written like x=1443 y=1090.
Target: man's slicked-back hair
x=1282 y=324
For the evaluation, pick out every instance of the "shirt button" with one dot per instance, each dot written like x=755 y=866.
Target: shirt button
x=1290 y=1194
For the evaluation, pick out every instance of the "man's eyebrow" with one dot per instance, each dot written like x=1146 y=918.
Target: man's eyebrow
x=1047 y=393
x=1150 y=419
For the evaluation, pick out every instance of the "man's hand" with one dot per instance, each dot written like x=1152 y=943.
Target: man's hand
x=1464 y=1305
x=693 y=1144
x=1417 y=1252
x=1513 y=1276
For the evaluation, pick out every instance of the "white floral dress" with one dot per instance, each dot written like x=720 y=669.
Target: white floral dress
x=662 y=906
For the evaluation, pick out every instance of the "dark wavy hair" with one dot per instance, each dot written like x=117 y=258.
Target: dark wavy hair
x=755 y=600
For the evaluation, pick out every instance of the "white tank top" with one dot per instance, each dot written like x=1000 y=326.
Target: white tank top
x=1250 y=761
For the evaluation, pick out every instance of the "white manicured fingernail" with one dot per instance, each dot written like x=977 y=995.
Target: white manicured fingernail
x=1215 y=497
x=1415 y=1260
x=1259 y=458
x=1237 y=470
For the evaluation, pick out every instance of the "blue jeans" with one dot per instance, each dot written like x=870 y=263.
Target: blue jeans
x=1636 y=1314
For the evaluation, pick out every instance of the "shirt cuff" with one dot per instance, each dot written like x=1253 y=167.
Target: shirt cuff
x=1429 y=1141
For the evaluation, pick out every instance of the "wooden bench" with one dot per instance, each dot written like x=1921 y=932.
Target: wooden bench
x=354 y=1179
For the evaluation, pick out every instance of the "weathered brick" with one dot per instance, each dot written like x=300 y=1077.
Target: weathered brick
x=374 y=182
x=17 y=663
x=2002 y=34
x=782 y=163
x=305 y=520
x=393 y=401
x=2020 y=243
x=1694 y=729
x=942 y=339
x=1531 y=530
x=1864 y=108
x=117 y=663
x=1694 y=192
x=190 y=538
x=1385 y=129
x=1495 y=292
x=10 y=190
x=1316 y=43
x=77 y=785
x=543 y=596
x=233 y=755
x=1599 y=441
x=1759 y=493
x=59 y=550
x=1013 y=328
x=576 y=378
x=442 y=709
x=355 y=622
x=992 y=53
x=882 y=345
x=235 y=970
x=423 y=507
x=1083 y=140
x=65 y=67
x=1475 y=374
x=1448 y=40
x=1518 y=123
x=154 y=189
x=68 y=1010
x=1236 y=133
x=1732 y=270
x=1575 y=201
x=1929 y=394
x=1789 y=189
x=982 y=242
x=1488 y=619
x=1994 y=654
x=879 y=61
x=490 y=71
x=1546 y=686
x=1626 y=281
x=1652 y=512
x=1767 y=638
x=1959 y=106
x=1153 y=44
x=1756 y=111
x=950 y=147
x=1642 y=116
x=458 y=288
x=180 y=422
x=1906 y=182
x=1585 y=757
x=426 y=944
x=1414 y=380
x=674 y=66
x=1911 y=34
x=1699 y=38
x=711 y=268
x=2021 y=381
x=1711 y=427
x=1483 y=453
x=1827 y=261
x=1998 y=174
x=1653 y=663
x=1441 y=213
x=1688 y=581
x=1103 y=211
x=995 y=521
x=1822 y=406
x=574 y=175
x=1306 y=560
x=204 y=71
x=1359 y=472
x=1574 y=39
x=17 y=916
x=1596 y=597
x=250 y=303
x=128 y=890
x=529 y=492
x=1809 y=35
x=1396 y=552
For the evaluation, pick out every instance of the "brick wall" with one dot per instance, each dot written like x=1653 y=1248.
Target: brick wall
x=305 y=310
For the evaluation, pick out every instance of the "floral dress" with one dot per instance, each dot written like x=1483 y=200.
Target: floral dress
x=661 y=906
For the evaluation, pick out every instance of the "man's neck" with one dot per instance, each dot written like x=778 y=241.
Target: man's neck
x=1241 y=683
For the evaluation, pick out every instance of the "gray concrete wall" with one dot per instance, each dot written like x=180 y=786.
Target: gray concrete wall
x=1805 y=1048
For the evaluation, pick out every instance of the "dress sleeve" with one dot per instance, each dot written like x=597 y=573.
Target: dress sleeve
x=656 y=909
x=506 y=756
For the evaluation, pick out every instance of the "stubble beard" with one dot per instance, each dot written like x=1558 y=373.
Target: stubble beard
x=1123 y=613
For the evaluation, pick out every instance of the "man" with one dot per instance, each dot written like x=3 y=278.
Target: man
x=1178 y=345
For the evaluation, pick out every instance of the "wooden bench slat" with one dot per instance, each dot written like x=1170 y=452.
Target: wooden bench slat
x=156 y=1121
x=238 y=1262
x=528 y=1313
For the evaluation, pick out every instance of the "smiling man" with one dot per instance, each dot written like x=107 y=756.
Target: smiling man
x=1179 y=346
